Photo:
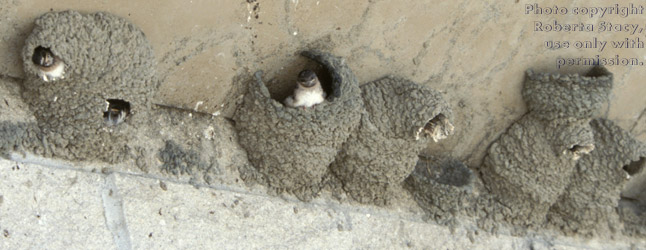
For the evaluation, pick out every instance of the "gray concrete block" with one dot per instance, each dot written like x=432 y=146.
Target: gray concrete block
x=51 y=208
x=97 y=209
x=186 y=217
x=178 y=215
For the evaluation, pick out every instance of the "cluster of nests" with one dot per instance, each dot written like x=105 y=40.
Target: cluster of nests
x=367 y=137
x=559 y=165
x=90 y=83
x=556 y=167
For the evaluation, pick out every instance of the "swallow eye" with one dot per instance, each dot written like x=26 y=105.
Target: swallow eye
x=43 y=57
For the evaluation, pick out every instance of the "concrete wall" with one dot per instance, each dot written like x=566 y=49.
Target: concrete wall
x=70 y=208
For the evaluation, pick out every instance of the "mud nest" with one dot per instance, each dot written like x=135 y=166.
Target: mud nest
x=292 y=147
x=552 y=96
x=400 y=119
x=530 y=166
x=108 y=71
x=589 y=204
x=442 y=186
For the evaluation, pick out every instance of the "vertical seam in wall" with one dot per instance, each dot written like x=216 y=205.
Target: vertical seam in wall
x=637 y=121
x=115 y=218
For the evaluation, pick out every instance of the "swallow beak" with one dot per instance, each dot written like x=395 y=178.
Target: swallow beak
x=308 y=84
x=307 y=78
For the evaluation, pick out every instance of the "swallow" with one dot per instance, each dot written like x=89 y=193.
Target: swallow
x=437 y=128
x=116 y=112
x=51 y=67
x=308 y=92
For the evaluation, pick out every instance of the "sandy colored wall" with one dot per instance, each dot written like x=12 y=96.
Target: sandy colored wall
x=474 y=52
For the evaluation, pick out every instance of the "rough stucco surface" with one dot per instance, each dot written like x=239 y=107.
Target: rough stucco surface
x=384 y=148
x=634 y=217
x=17 y=124
x=632 y=208
x=589 y=204
x=526 y=168
x=442 y=186
x=106 y=57
x=17 y=136
x=293 y=147
x=531 y=177
x=178 y=160
x=552 y=96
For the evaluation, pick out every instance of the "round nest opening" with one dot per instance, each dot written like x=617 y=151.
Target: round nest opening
x=282 y=85
x=292 y=147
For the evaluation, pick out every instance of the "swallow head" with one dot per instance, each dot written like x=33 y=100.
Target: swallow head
x=50 y=67
x=116 y=111
x=307 y=78
x=43 y=57
x=437 y=128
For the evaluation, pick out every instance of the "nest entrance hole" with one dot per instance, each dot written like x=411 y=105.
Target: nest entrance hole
x=577 y=151
x=437 y=128
x=597 y=71
x=581 y=148
x=636 y=166
x=116 y=111
x=633 y=194
x=43 y=57
x=283 y=83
